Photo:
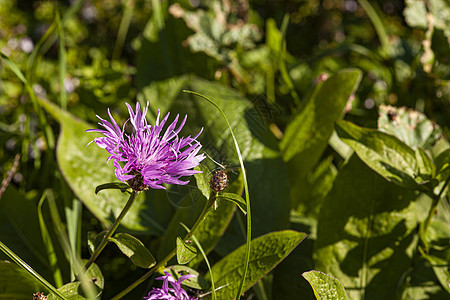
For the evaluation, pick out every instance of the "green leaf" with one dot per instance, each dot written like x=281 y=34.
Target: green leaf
x=75 y=290
x=313 y=126
x=365 y=232
x=134 y=249
x=415 y=13
x=325 y=287
x=20 y=230
x=307 y=135
x=408 y=125
x=441 y=269
x=236 y=199
x=202 y=179
x=123 y=187
x=424 y=163
x=85 y=168
x=267 y=251
x=16 y=283
x=185 y=252
x=442 y=163
x=384 y=153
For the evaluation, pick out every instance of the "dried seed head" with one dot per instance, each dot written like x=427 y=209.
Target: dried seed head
x=219 y=181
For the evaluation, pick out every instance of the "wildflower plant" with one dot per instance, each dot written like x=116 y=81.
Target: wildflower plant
x=73 y=192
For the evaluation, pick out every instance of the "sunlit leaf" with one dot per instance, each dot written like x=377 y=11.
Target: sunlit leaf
x=325 y=287
x=134 y=249
x=384 y=153
x=185 y=252
x=267 y=251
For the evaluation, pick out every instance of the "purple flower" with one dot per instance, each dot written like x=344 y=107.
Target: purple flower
x=146 y=157
x=175 y=292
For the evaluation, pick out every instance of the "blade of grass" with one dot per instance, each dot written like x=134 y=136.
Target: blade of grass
x=73 y=220
x=75 y=261
x=30 y=270
x=200 y=248
x=62 y=63
x=377 y=24
x=51 y=254
x=247 y=195
x=282 y=61
x=123 y=29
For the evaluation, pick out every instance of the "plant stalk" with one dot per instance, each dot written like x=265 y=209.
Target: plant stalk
x=164 y=262
x=111 y=231
x=431 y=213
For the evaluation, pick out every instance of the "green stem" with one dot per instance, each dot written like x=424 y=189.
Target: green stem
x=30 y=270
x=247 y=194
x=431 y=213
x=378 y=24
x=164 y=262
x=111 y=231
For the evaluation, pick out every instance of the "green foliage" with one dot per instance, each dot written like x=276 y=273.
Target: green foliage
x=134 y=249
x=324 y=286
x=185 y=252
x=266 y=252
x=340 y=110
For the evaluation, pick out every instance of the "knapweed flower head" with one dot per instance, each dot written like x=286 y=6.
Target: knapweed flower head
x=174 y=292
x=147 y=157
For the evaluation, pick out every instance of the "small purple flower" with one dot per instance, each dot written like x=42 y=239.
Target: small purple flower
x=146 y=158
x=175 y=292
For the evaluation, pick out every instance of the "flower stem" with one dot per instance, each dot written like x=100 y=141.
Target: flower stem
x=111 y=231
x=164 y=262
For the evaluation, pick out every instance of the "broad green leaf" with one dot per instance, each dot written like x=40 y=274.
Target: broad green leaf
x=365 y=230
x=384 y=153
x=307 y=135
x=408 y=125
x=16 y=283
x=267 y=175
x=185 y=252
x=197 y=282
x=325 y=286
x=313 y=126
x=415 y=13
x=85 y=168
x=236 y=199
x=134 y=249
x=315 y=187
x=267 y=251
x=20 y=230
